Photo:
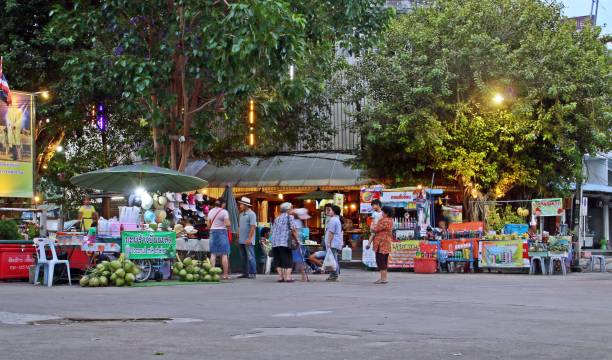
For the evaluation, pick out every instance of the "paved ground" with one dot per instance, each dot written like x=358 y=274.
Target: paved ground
x=473 y=316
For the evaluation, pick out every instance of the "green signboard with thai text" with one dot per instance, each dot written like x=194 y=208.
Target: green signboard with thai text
x=149 y=244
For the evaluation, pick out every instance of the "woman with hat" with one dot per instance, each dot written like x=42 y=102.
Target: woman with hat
x=219 y=224
x=282 y=229
x=246 y=238
x=300 y=215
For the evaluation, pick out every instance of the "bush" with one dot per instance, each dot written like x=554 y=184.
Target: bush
x=9 y=230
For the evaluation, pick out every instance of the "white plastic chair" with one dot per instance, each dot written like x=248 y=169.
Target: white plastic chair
x=48 y=265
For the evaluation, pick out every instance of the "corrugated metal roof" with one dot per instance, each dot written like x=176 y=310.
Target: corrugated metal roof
x=315 y=169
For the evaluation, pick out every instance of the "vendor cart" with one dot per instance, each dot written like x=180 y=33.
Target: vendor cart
x=151 y=250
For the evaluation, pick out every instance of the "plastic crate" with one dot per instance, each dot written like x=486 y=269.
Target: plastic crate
x=518 y=229
x=425 y=266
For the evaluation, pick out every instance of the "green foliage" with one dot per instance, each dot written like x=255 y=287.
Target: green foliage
x=429 y=90
x=188 y=68
x=498 y=217
x=9 y=230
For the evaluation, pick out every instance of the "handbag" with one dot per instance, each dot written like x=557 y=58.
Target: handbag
x=292 y=241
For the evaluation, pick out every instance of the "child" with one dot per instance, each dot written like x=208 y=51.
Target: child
x=377 y=214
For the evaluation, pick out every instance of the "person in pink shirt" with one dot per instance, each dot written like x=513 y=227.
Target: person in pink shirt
x=219 y=223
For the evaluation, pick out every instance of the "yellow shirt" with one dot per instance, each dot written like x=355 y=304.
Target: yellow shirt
x=87 y=212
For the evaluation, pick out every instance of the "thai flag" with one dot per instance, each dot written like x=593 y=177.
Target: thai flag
x=5 y=91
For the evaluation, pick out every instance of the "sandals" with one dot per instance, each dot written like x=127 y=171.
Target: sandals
x=280 y=280
x=380 y=282
x=290 y=281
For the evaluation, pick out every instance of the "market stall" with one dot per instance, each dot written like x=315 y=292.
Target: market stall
x=143 y=237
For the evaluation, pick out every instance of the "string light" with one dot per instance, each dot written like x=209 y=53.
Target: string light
x=251 y=122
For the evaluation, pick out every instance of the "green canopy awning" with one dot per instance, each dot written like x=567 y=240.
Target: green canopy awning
x=127 y=178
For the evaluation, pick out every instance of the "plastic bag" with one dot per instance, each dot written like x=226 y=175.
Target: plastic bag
x=329 y=263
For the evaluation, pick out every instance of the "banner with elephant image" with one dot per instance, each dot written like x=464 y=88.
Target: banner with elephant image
x=16 y=146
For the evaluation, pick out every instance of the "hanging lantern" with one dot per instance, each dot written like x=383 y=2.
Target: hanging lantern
x=101 y=119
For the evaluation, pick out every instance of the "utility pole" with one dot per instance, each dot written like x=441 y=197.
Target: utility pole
x=594 y=10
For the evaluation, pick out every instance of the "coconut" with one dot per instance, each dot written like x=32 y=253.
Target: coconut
x=120 y=273
x=189 y=277
x=115 y=264
x=179 y=265
x=196 y=277
x=190 y=269
x=183 y=272
x=100 y=267
x=127 y=265
x=120 y=282
x=94 y=282
x=207 y=266
x=84 y=281
x=216 y=278
x=187 y=261
x=129 y=278
x=113 y=277
x=207 y=278
x=103 y=281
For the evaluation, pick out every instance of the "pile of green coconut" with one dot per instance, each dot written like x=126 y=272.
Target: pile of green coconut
x=192 y=270
x=119 y=272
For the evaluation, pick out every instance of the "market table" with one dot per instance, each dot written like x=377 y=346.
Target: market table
x=189 y=245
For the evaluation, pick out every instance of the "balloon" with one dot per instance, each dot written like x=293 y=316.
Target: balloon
x=149 y=216
x=147 y=201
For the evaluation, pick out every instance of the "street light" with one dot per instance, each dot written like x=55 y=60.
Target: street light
x=59 y=148
x=498 y=99
x=44 y=94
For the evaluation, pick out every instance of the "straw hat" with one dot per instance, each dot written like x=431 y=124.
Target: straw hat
x=170 y=196
x=178 y=228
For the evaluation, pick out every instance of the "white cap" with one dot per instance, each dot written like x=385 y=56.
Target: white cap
x=301 y=213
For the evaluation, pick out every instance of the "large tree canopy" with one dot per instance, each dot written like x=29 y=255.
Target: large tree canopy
x=495 y=95
x=188 y=68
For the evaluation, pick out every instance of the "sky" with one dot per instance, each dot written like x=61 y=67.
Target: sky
x=583 y=7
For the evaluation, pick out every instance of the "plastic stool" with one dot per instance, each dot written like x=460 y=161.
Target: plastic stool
x=602 y=262
x=561 y=259
x=532 y=265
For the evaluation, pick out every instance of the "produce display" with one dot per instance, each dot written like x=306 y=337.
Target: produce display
x=119 y=272
x=502 y=237
x=195 y=270
x=522 y=212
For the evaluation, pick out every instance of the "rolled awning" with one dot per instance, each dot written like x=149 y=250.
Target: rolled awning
x=303 y=170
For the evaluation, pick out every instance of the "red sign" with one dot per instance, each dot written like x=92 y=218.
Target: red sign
x=457 y=244
x=15 y=265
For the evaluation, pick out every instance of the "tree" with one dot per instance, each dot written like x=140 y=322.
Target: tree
x=187 y=67
x=495 y=95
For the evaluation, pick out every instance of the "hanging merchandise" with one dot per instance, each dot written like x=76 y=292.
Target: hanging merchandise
x=147 y=201
x=149 y=216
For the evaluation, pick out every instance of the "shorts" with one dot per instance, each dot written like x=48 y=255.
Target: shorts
x=283 y=257
x=382 y=261
x=219 y=242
